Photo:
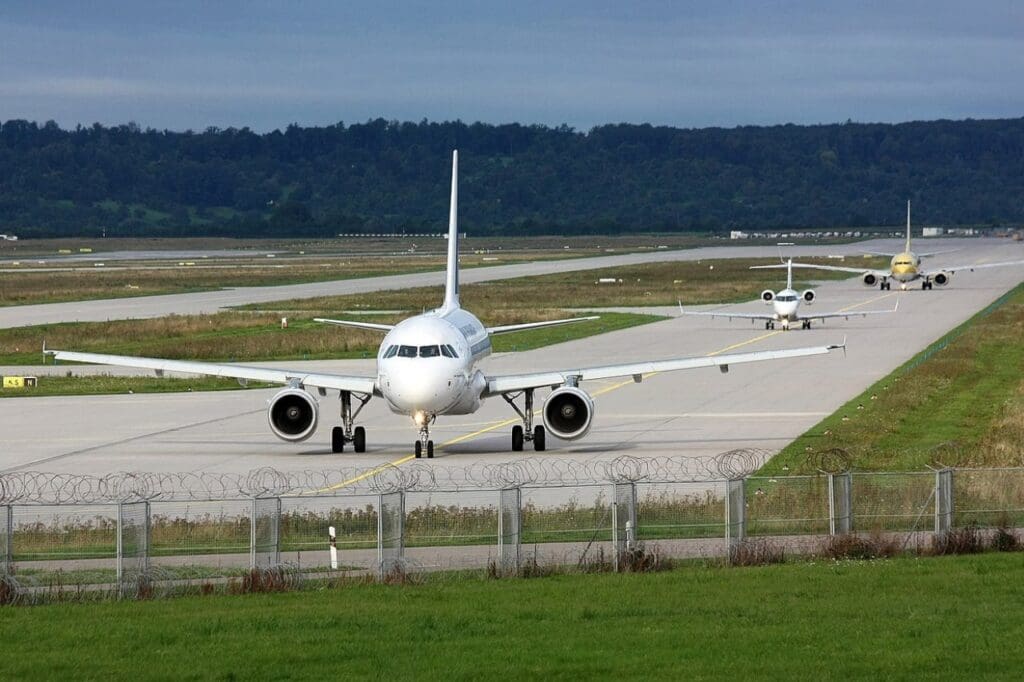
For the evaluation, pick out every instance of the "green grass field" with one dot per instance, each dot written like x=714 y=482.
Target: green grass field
x=950 y=617
x=959 y=402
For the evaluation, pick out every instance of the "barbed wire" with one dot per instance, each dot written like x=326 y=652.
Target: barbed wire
x=39 y=487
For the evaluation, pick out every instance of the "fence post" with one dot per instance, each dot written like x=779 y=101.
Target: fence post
x=943 y=500
x=735 y=512
x=390 y=532
x=6 y=539
x=133 y=537
x=840 y=503
x=265 y=532
x=510 y=524
x=623 y=519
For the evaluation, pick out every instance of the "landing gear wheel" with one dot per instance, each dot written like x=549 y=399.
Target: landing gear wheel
x=430 y=449
x=926 y=285
x=337 y=439
x=359 y=439
x=538 y=439
x=419 y=449
x=517 y=438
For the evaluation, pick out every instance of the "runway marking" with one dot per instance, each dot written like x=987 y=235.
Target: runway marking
x=870 y=300
x=507 y=422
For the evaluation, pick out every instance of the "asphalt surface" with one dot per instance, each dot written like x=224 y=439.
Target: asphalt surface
x=696 y=413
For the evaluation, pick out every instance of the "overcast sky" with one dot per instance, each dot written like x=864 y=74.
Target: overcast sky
x=186 y=64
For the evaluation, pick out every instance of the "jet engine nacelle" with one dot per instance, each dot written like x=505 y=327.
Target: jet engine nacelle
x=869 y=279
x=767 y=295
x=568 y=412
x=808 y=296
x=293 y=415
x=941 y=278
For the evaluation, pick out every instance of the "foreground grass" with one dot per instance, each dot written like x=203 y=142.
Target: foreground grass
x=904 y=618
x=959 y=402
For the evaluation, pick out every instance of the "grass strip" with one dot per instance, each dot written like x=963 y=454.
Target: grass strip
x=959 y=402
x=943 y=617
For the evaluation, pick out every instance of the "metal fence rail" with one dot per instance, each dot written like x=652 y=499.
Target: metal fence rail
x=500 y=528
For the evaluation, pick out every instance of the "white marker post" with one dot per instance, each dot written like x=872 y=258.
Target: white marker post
x=334 y=548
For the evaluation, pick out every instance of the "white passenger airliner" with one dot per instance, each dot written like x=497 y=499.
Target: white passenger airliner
x=426 y=366
x=904 y=267
x=786 y=307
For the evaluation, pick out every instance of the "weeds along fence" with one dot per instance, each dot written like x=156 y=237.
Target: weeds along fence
x=125 y=528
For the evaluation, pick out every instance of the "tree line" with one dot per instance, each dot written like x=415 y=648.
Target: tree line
x=514 y=179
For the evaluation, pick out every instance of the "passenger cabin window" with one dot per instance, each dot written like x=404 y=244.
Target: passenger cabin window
x=430 y=352
x=407 y=351
x=391 y=352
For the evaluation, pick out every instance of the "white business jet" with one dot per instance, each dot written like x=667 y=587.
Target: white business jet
x=786 y=306
x=904 y=267
x=427 y=366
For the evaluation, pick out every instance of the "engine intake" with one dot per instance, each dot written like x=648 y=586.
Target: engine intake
x=293 y=415
x=767 y=295
x=808 y=296
x=568 y=412
x=941 y=278
x=869 y=279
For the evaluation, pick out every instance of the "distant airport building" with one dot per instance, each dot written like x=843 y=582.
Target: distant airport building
x=931 y=232
x=9 y=237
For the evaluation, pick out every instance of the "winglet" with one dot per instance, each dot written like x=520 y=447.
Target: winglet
x=451 y=287
x=836 y=346
x=680 y=306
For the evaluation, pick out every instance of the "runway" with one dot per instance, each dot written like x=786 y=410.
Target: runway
x=695 y=413
x=211 y=301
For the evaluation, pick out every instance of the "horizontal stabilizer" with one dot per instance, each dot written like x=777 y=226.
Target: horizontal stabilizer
x=373 y=326
x=538 y=325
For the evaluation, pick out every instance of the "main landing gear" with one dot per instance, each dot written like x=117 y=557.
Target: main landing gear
x=770 y=324
x=926 y=285
x=806 y=324
x=885 y=285
x=527 y=431
x=348 y=432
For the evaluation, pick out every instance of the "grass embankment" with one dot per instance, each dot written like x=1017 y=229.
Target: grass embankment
x=960 y=402
x=942 y=617
x=100 y=384
x=648 y=284
x=81 y=281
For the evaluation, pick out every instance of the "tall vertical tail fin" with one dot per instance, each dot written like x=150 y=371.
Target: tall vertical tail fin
x=907 y=247
x=451 y=286
x=789 y=273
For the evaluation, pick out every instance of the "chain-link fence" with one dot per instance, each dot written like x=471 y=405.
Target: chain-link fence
x=418 y=526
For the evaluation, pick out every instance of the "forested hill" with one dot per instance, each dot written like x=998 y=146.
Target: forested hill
x=386 y=176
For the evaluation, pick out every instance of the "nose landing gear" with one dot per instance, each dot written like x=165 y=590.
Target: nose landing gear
x=527 y=431
x=424 y=444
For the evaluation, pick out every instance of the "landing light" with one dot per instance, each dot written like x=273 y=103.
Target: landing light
x=420 y=418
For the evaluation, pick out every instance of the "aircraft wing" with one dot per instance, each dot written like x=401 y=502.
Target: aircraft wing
x=833 y=268
x=496 y=385
x=955 y=268
x=936 y=253
x=538 y=325
x=742 y=316
x=849 y=313
x=272 y=376
x=372 y=326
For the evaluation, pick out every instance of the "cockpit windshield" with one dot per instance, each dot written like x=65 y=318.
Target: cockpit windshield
x=445 y=350
x=788 y=297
